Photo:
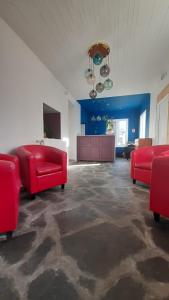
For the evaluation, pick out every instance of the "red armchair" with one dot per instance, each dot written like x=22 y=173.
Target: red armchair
x=42 y=167
x=142 y=159
x=159 y=192
x=9 y=193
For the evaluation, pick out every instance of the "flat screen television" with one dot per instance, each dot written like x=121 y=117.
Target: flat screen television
x=51 y=122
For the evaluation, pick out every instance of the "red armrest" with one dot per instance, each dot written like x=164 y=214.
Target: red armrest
x=8 y=157
x=144 y=154
x=8 y=173
x=9 y=195
x=14 y=159
x=165 y=153
x=57 y=156
x=27 y=167
x=160 y=176
x=159 y=192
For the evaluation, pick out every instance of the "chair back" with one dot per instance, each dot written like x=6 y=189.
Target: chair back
x=38 y=151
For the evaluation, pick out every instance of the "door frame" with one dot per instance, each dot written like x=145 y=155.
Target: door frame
x=165 y=99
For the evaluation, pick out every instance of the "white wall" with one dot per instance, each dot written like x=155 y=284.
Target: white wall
x=25 y=83
x=155 y=90
x=74 y=128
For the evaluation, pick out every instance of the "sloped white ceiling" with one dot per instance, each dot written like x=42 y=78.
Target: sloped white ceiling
x=59 y=32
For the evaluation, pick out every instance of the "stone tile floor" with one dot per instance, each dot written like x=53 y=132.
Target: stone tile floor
x=96 y=240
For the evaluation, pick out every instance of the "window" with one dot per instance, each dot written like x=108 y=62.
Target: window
x=83 y=129
x=143 y=125
x=119 y=127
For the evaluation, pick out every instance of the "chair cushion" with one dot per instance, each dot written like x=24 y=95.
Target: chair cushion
x=144 y=165
x=43 y=168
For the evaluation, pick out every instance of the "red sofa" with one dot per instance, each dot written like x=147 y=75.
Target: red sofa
x=42 y=167
x=9 y=193
x=159 y=191
x=142 y=159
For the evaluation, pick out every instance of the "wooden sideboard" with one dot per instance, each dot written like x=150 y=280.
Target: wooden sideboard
x=96 y=148
x=143 y=142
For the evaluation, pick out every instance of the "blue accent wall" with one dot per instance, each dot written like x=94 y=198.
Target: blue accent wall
x=84 y=115
x=114 y=103
x=122 y=107
x=99 y=127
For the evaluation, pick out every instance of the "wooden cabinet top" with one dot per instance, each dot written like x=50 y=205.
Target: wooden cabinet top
x=96 y=135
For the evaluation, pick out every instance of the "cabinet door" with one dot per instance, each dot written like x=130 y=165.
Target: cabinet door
x=107 y=148
x=83 y=148
x=94 y=149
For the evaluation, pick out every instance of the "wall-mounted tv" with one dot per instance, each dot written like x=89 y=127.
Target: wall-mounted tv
x=51 y=122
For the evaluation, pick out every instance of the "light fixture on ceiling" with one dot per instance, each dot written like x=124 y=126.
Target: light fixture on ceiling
x=98 y=55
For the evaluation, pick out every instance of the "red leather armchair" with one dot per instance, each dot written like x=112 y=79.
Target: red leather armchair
x=42 y=167
x=159 y=192
x=9 y=193
x=142 y=159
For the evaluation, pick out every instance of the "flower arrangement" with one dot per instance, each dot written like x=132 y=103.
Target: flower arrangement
x=109 y=126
